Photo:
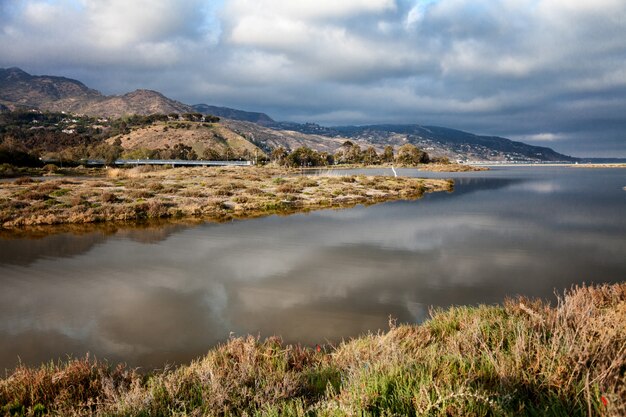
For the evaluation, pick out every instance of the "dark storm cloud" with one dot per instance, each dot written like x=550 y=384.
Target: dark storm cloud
x=545 y=71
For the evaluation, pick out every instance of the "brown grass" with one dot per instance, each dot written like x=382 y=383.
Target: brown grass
x=210 y=193
x=199 y=136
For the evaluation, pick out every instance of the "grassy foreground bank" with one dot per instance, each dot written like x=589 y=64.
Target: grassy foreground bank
x=210 y=193
x=522 y=358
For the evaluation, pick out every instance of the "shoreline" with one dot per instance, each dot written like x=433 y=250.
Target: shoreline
x=613 y=165
x=568 y=164
x=522 y=357
x=431 y=167
x=213 y=194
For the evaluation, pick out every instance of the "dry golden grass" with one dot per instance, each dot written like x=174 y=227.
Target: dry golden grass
x=524 y=358
x=211 y=193
x=200 y=136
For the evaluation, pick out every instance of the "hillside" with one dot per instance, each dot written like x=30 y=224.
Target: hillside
x=455 y=144
x=438 y=141
x=142 y=102
x=228 y=113
x=19 y=89
x=207 y=140
x=269 y=138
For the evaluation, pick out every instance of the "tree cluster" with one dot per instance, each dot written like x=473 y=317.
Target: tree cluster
x=18 y=158
x=350 y=153
x=179 y=151
x=197 y=117
x=301 y=157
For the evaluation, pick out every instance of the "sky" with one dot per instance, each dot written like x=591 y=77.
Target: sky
x=546 y=72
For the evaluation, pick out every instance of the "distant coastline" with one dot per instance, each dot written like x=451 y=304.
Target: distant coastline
x=546 y=164
x=621 y=165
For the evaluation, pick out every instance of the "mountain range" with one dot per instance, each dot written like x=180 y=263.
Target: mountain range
x=234 y=114
x=20 y=90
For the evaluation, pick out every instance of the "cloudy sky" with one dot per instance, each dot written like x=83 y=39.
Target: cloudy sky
x=548 y=72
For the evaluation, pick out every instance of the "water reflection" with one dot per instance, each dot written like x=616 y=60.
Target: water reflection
x=167 y=294
x=26 y=245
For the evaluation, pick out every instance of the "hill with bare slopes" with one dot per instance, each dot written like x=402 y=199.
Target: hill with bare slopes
x=142 y=102
x=204 y=138
x=19 y=89
x=269 y=138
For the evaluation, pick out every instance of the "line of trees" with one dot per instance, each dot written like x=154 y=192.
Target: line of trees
x=351 y=153
x=188 y=153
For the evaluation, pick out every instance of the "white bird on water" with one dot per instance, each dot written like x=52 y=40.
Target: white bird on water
x=395 y=174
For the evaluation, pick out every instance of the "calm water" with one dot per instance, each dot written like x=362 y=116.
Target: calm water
x=156 y=295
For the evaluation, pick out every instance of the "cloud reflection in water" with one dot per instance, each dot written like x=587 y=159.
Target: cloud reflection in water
x=312 y=277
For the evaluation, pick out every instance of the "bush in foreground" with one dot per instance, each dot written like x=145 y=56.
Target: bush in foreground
x=522 y=358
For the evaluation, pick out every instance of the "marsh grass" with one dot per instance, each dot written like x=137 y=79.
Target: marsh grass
x=523 y=358
x=24 y=180
x=108 y=197
x=209 y=193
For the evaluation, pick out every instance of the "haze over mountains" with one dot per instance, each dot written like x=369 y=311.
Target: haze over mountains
x=20 y=90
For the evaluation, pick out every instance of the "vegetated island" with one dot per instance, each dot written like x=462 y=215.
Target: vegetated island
x=219 y=194
x=524 y=358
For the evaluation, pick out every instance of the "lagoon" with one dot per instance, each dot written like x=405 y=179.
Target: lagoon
x=154 y=295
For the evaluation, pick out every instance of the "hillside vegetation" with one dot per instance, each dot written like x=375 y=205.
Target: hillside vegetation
x=29 y=137
x=524 y=358
x=72 y=139
x=206 y=140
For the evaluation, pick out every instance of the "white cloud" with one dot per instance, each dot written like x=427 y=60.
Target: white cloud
x=120 y=22
x=277 y=33
x=306 y=10
x=541 y=137
x=315 y=38
x=41 y=13
x=506 y=67
x=89 y=32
